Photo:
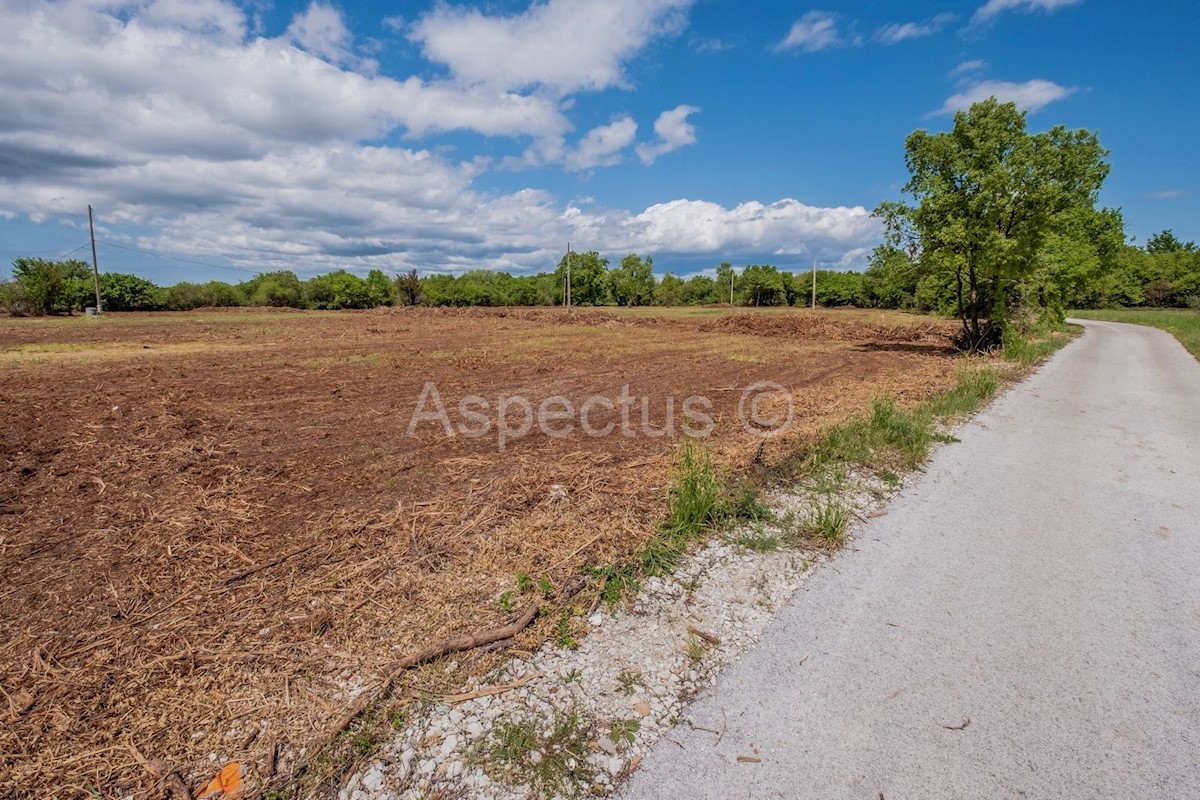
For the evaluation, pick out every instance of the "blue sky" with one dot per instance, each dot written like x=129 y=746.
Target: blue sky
x=218 y=139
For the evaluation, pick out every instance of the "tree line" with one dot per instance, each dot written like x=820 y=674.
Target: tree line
x=1001 y=230
x=40 y=286
x=1088 y=265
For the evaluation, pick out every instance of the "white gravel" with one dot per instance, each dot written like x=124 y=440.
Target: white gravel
x=635 y=670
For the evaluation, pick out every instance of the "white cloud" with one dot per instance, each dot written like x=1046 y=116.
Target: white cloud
x=816 y=30
x=899 y=32
x=967 y=68
x=1166 y=194
x=674 y=131
x=171 y=121
x=564 y=45
x=710 y=45
x=993 y=8
x=321 y=31
x=602 y=146
x=1031 y=95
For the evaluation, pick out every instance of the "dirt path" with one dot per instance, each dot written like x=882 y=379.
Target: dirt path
x=1024 y=622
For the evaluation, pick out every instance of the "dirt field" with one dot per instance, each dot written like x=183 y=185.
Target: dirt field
x=214 y=529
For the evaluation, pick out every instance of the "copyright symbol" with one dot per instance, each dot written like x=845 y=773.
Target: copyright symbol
x=765 y=409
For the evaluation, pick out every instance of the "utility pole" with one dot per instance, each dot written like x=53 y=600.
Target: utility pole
x=731 y=286
x=95 y=264
x=814 y=293
x=568 y=276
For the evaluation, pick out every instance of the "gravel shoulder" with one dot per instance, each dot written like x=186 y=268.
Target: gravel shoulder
x=1024 y=621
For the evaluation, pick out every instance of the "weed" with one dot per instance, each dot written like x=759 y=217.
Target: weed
x=629 y=680
x=575 y=675
x=757 y=540
x=545 y=586
x=505 y=602
x=828 y=521
x=624 y=730
x=560 y=766
x=397 y=718
x=564 y=635
x=694 y=649
x=524 y=582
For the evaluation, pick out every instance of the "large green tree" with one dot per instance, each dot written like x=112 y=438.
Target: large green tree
x=632 y=281
x=42 y=286
x=985 y=195
x=589 y=278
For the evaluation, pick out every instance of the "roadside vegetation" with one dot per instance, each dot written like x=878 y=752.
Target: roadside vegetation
x=1183 y=324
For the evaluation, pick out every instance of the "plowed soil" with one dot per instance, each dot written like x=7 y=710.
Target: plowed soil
x=215 y=530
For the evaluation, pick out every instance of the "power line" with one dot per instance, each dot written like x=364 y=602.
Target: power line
x=177 y=258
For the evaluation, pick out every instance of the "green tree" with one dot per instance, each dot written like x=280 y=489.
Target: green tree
x=671 y=291
x=589 y=278
x=42 y=286
x=123 y=292
x=725 y=283
x=891 y=279
x=280 y=289
x=632 y=281
x=702 y=290
x=762 y=285
x=1165 y=242
x=408 y=288
x=985 y=194
x=381 y=289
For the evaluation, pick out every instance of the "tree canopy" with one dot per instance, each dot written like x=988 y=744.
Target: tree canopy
x=986 y=195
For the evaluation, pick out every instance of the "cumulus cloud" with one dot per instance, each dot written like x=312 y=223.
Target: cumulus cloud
x=562 y=45
x=993 y=8
x=816 y=30
x=602 y=146
x=674 y=131
x=191 y=136
x=321 y=31
x=1031 y=95
x=902 y=31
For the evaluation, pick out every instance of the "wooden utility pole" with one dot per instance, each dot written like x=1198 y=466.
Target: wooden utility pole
x=568 y=276
x=814 y=293
x=95 y=263
x=731 y=286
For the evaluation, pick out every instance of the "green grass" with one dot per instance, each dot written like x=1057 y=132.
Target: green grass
x=828 y=521
x=1183 y=324
x=560 y=770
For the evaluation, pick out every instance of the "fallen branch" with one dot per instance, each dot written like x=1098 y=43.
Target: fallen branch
x=268 y=564
x=962 y=727
x=455 y=644
x=708 y=637
x=488 y=692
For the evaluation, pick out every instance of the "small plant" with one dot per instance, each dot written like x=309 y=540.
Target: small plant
x=575 y=675
x=551 y=762
x=828 y=521
x=629 y=680
x=564 y=636
x=397 y=718
x=624 y=730
x=694 y=649
x=757 y=540
x=505 y=602
x=545 y=586
x=524 y=582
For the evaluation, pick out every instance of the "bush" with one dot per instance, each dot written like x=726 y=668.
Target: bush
x=50 y=287
x=276 y=289
x=123 y=292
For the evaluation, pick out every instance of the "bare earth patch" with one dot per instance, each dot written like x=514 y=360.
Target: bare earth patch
x=214 y=530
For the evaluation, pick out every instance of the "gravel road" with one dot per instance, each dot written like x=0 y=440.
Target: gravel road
x=1024 y=621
